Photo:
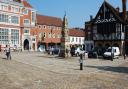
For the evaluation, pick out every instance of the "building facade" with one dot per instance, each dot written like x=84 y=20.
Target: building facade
x=10 y=16
x=109 y=28
x=48 y=31
x=28 y=22
x=12 y=22
x=77 y=37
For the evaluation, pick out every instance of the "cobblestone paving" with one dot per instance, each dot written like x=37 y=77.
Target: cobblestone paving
x=32 y=71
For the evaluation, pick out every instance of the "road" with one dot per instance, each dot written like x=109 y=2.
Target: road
x=19 y=74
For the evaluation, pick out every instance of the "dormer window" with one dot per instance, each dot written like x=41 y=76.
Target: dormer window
x=44 y=26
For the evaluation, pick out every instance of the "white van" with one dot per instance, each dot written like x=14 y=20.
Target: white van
x=112 y=51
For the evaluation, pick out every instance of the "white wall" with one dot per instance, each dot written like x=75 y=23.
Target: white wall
x=77 y=40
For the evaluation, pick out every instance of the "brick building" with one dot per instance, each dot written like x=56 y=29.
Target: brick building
x=48 y=31
x=16 y=19
x=28 y=20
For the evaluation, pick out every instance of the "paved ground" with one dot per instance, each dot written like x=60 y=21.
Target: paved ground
x=33 y=70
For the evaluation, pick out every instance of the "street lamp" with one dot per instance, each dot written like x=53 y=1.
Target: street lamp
x=124 y=44
x=111 y=50
x=111 y=47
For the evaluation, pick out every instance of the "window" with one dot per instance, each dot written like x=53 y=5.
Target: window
x=26 y=31
x=49 y=35
x=44 y=26
x=33 y=39
x=76 y=39
x=58 y=36
x=72 y=39
x=14 y=9
x=15 y=19
x=25 y=12
x=4 y=7
x=4 y=36
x=26 y=21
x=33 y=17
x=44 y=35
x=39 y=26
x=4 y=18
x=53 y=35
x=15 y=36
x=80 y=40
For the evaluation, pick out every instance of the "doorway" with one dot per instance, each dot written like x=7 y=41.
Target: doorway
x=26 y=44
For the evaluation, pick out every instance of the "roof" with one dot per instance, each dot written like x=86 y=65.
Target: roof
x=113 y=10
x=76 y=32
x=26 y=4
x=48 y=20
x=17 y=1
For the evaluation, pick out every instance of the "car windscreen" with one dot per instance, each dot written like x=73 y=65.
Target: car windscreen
x=109 y=50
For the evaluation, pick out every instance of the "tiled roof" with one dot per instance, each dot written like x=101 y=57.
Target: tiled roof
x=26 y=4
x=76 y=32
x=48 y=20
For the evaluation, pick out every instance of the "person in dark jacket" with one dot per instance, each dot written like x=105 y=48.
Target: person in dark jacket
x=8 y=52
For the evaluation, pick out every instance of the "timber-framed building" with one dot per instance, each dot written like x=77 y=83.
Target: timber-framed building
x=108 y=28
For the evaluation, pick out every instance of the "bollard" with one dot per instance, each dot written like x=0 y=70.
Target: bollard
x=81 y=62
x=124 y=56
x=112 y=56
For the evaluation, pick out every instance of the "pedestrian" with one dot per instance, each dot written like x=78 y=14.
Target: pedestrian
x=8 y=52
x=67 y=51
x=52 y=50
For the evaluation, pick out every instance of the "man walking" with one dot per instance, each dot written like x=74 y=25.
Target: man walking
x=8 y=52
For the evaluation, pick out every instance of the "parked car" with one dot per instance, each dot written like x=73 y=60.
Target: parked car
x=56 y=50
x=112 y=52
x=79 y=51
x=72 y=51
x=92 y=54
x=41 y=49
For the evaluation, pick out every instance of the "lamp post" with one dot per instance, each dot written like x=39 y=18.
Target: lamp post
x=111 y=50
x=124 y=44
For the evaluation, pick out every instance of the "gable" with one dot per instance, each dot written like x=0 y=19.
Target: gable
x=106 y=14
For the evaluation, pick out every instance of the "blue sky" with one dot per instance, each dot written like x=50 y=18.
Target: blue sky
x=77 y=11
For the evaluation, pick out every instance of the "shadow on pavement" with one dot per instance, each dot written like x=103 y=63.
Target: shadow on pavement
x=45 y=56
x=4 y=58
x=112 y=69
x=55 y=56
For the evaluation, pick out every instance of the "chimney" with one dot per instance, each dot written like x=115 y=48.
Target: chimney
x=118 y=10
x=124 y=8
x=91 y=17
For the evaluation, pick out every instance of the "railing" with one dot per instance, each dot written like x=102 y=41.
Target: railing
x=113 y=36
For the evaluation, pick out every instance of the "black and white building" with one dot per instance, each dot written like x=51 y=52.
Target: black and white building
x=108 y=28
